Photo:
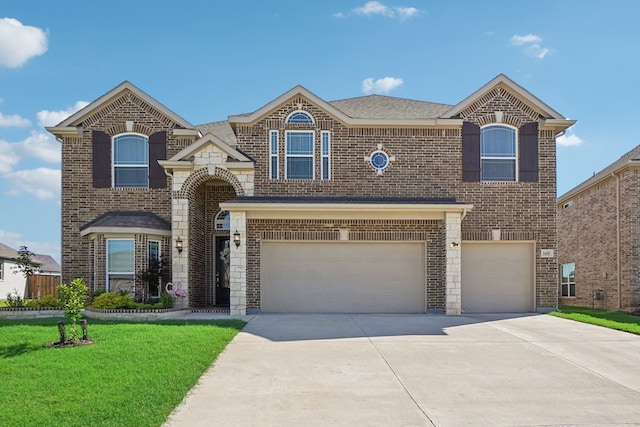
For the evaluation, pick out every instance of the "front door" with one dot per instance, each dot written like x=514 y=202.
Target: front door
x=222 y=270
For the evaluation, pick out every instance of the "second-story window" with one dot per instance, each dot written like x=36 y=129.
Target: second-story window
x=299 y=155
x=273 y=154
x=326 y=155
x=498 y=154
x=130 y=161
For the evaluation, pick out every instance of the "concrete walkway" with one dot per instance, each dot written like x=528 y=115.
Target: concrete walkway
x=412 y=370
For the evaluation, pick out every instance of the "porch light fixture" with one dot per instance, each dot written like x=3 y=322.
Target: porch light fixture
x=179 y=245
x=454 y=244
x=236 y=238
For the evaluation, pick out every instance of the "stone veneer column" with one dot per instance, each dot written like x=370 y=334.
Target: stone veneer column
x=180 y=264
x=238 y=265
x=453 y=264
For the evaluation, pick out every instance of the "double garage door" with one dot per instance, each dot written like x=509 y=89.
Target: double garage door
x=389 y=277
x=343 y=277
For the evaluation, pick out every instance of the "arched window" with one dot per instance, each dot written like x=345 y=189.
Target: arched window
x=130 y=160
x=222 y=221
x=300 y=117
x=498 y=153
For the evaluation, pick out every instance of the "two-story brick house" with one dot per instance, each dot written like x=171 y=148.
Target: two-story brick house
x=599 y=238
x=370 y=204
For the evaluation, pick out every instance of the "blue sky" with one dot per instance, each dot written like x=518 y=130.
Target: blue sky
x=208 y=60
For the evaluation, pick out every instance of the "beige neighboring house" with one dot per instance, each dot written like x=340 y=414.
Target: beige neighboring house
x=371 y=204
x=12 y=280
x=599 y=238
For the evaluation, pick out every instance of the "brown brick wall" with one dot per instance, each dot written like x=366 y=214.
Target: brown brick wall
x=588 y=236
x=82 y=203
x=428 y=164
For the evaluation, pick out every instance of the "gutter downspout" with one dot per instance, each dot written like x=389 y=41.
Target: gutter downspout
x=618 y=239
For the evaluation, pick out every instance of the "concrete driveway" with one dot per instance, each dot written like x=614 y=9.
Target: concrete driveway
x=413 y=370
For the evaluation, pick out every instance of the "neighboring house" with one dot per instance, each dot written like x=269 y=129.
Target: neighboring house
x=48 y=265
x=11 y=280
x=599 y=238
x=371 y=204
x=10 y=283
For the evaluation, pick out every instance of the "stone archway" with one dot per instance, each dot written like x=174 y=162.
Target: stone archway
x=195 y=205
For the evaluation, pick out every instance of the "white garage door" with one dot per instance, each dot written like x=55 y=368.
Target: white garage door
x=343 y=277
x=497 y=277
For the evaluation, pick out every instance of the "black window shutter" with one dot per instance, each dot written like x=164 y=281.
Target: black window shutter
x=529 y=152
x=157 y=151
x=470 y=152
x=101 y=159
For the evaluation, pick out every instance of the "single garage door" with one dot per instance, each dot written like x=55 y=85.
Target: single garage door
x=497 y=277
x=343 y=277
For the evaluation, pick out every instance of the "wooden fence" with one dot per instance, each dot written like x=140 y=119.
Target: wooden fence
x=40 y=285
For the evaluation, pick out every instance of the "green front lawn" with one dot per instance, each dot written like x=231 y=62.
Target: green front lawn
x=609 y=319
x=134 y=375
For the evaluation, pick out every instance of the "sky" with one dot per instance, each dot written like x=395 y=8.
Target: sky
x=207 y=60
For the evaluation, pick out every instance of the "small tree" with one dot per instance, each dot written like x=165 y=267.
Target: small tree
x=73 y=297
x=25 y=263
x=156 y=274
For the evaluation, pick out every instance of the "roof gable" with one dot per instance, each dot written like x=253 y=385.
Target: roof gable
x=283 y=99
x=210 y=139
x=7 y=253
x=70 y=123
x=511 y=87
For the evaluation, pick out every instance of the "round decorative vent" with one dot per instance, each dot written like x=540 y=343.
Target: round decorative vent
x=379 y=160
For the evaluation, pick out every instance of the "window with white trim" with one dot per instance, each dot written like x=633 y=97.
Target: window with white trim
x=154 y=256
x=325 y=166
x=130 y=160
x=299 y=117
x=299 y=155
x=223 y=221
x=568 y=280
x=121 y=265
x=498 y=154
x=273 y=154
x=1 y=269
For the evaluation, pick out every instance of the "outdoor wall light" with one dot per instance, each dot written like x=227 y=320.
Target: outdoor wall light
x=179 y=245
x=454 y=244
x=236 y=238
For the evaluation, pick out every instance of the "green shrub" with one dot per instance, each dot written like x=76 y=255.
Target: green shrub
x=166 y=300
x=113 y=300
x=74 y=298
x=47 y=301
x=14 y=299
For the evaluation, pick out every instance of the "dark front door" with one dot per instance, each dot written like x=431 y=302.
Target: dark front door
x=222 y=270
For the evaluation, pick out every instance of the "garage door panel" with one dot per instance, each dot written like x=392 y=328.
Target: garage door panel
x=343 y=277
x=497 y=277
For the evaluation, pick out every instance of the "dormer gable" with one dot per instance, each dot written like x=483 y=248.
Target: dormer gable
x=123 y=93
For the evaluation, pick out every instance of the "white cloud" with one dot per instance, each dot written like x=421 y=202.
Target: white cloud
x=14 y=120
x=381 y=85
x=407 y=12
x=41 y=146
x=8 y=156
x=376 y=8
x=44 y=183
x=569 y=139
x=52 y=118
x=517 y=40
x=19 y=43
x=531 y=44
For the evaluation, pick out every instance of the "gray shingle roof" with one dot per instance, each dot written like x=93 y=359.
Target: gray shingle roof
x=630 y=157
x=129 y=219
x=387 y=107
x=220 y=129
x=47 y=263
x=6 y=252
